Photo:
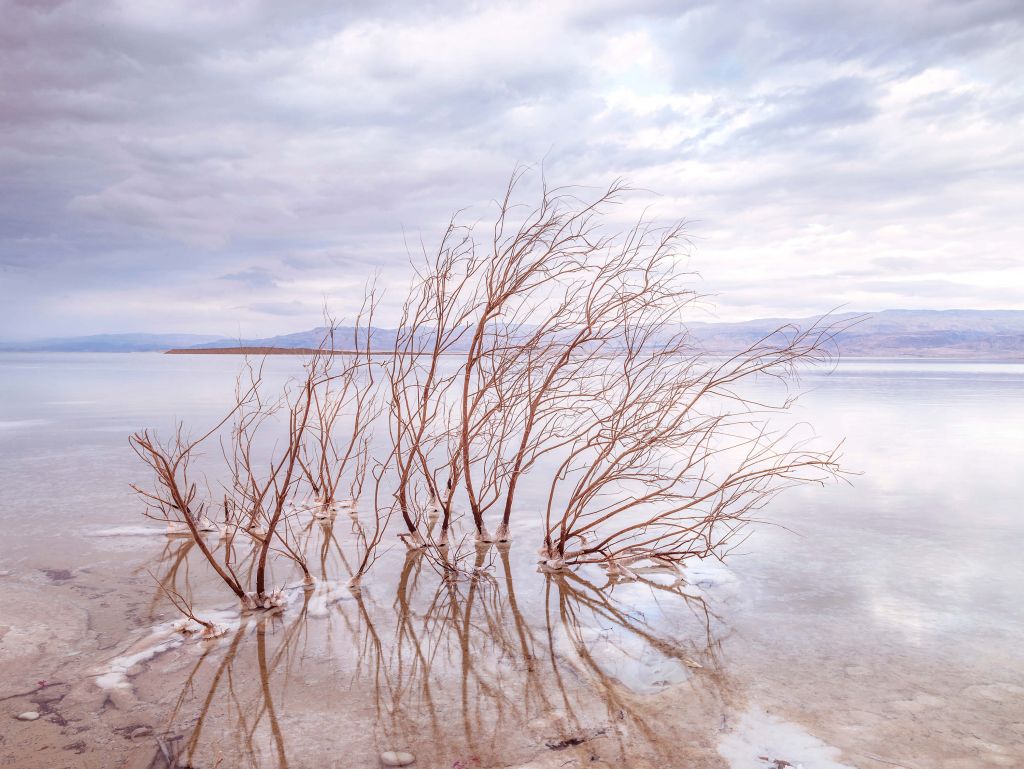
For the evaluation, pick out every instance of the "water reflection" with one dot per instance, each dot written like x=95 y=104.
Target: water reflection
x=891 y=625
x=485 y=670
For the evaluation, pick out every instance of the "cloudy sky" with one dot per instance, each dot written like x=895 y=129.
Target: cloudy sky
x=225 y=167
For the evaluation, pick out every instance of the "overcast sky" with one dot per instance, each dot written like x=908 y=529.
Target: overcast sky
x=223 y=167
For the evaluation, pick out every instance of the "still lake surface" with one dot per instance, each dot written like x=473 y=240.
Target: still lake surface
x=880 y=624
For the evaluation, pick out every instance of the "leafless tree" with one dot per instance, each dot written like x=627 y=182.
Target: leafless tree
x=554 y=349
x=174 y=489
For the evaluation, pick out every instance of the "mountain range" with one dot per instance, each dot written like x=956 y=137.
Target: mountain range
x=971 y=334
x=110 y=343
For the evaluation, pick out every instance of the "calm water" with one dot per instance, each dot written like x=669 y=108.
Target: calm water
x=880 y=624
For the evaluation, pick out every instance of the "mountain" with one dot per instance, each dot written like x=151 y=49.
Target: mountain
x=973 y=334
x=997 y=334
x=108 y=343
x=965 y=334
x=344 y=337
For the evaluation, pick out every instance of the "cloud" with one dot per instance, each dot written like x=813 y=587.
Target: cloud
x=229 y=163
x=252 y=278
x=286 y=309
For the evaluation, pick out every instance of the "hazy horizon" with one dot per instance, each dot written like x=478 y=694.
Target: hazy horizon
x=288 y=331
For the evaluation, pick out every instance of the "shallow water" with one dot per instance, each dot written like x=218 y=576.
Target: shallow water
x=880 y=625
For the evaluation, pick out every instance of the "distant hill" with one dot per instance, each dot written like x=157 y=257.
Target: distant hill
x=109 y=343
x=966 y=334
x=997 y=334
x=971 y=334
x=344 y=337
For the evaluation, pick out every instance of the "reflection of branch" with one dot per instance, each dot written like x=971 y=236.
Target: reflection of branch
x=531 y=679
x=585 y=594
x=174 y=557
x=445 y=652
x=577 y=594
x=261 y=650
x=225 y=664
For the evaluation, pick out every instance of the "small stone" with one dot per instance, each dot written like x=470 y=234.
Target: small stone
x=28 y=715
x=396 y=758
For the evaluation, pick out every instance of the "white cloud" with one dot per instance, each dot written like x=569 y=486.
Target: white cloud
x=868 y=153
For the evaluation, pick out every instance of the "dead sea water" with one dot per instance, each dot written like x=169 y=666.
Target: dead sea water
x=880 y=625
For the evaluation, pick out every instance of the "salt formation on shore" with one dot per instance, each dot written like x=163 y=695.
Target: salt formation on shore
x=116 y=673
x=759 y=739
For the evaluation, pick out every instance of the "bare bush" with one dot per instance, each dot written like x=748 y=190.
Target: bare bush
x=577 y=353
x=434 y=320
x=554 y=352
x=345 y=407
x=676 y=458
x=278 y=454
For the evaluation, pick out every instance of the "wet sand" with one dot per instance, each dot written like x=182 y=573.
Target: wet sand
x=516 y=669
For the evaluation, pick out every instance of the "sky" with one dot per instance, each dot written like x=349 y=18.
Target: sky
x=227 y=168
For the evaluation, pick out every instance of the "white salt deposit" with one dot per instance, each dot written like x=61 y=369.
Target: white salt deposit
x=119 y=669
x=709 y=575
x=325 y=594
x=162 y=638
x=759 y=740
x=396 y=758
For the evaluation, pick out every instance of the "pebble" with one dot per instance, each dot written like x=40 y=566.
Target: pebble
x=28 y=715
x=396 y=758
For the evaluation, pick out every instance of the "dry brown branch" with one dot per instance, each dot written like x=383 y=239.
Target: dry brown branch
x=554 y=350
x=677 y=458
x=577 y=353
x=268 y=480
x=345 y=406
x=434 y=321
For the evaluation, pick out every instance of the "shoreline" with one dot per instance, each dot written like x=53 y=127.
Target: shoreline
x=285 y=351
x=259 y=350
